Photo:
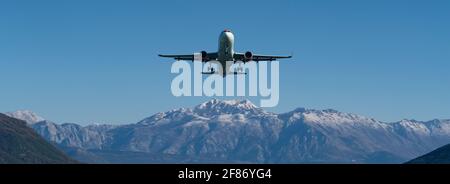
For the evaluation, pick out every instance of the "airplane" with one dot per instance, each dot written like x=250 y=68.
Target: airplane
x=226 y=53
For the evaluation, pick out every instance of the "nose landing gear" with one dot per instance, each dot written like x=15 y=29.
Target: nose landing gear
x=210 y=70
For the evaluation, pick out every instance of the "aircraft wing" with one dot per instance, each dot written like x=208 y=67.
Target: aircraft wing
x=191 y=57
x=257 y=57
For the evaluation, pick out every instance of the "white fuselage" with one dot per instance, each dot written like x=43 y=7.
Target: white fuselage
x=226 y=47
x=226 y=50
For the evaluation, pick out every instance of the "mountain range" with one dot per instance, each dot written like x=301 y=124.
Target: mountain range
x=236 y=131
x=19 y=144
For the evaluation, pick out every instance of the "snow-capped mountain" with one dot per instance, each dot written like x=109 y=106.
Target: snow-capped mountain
x=25 y=115
x=216 y=107
x=238 y=131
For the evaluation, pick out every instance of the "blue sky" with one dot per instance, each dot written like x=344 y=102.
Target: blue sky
x=96 y=61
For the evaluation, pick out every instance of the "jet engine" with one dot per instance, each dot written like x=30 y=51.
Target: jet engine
x=248 y=56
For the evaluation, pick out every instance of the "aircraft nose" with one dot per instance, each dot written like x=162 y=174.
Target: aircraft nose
x=228 y=34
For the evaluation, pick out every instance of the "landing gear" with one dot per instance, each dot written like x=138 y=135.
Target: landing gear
x=211 y=69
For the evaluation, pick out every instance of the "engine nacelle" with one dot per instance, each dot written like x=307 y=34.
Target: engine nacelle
x=204 y=55
x=248 y=56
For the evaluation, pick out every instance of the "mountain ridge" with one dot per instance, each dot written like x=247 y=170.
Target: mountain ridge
x=238 y=131
x=440 y=155
x=26 y=115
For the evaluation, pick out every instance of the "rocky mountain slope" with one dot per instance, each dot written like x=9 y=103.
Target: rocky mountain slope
x=438 y=156
x=19 y=144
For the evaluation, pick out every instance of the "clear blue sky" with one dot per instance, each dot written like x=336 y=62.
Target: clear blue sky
x=90 y=61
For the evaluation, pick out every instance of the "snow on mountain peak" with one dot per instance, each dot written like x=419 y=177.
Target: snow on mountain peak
x=164 y=117
x=245 y=104
x=327 y=116
x=216 y=107
x=25 y=115
x=212 y=109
